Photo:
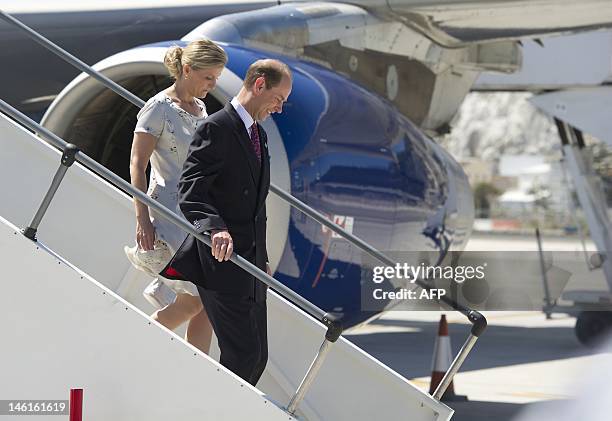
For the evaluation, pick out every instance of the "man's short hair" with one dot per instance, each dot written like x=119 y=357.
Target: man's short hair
x=271 y=70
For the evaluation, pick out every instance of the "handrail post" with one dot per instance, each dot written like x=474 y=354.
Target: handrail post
x=454 y=367
x=479 y=324
x=68 y=158
x=334 y=330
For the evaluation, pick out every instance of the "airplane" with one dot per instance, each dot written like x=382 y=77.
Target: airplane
x=374 y=81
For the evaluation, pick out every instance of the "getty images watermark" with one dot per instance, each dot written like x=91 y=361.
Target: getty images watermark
x=426 y=273
x=479 y=280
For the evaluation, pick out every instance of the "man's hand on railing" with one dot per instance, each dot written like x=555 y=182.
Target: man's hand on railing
x=222 y=245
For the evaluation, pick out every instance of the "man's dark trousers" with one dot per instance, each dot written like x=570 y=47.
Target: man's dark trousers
x=240 y=323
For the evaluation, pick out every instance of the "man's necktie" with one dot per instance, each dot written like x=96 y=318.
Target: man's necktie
x=255 y=141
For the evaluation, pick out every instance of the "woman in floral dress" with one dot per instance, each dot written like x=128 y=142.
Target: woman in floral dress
x=163 y=133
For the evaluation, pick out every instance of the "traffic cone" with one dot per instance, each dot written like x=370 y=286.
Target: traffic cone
x=442 y=359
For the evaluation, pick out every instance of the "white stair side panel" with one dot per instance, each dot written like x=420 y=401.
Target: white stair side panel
x=63 y=330
x=351 y=384
x=88 y=221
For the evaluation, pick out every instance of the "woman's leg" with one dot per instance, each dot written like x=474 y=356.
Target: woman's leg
x=182 y=309
x=199 y=331
x=187 y=307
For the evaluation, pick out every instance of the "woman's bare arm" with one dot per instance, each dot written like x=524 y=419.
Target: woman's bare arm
x=143 y=146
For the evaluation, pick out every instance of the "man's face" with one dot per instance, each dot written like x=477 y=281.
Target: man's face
x=271 y=100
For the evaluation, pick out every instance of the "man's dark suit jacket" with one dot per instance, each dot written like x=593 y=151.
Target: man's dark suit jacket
x=223 y=186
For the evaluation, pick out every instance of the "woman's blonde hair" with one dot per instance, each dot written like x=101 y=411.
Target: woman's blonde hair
x=200 y=54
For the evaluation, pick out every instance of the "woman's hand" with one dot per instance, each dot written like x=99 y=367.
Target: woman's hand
x=145 y=234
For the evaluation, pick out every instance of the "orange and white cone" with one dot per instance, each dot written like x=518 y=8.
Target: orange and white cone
x=441 y=362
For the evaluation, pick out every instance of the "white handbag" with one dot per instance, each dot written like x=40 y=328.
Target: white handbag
x=152 y=262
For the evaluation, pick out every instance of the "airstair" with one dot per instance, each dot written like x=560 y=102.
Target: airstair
x=74 y=316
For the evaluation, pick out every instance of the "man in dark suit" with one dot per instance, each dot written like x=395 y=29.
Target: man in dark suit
x=223 y=189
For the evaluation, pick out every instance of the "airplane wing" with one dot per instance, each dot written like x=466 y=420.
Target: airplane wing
x=454 y=23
